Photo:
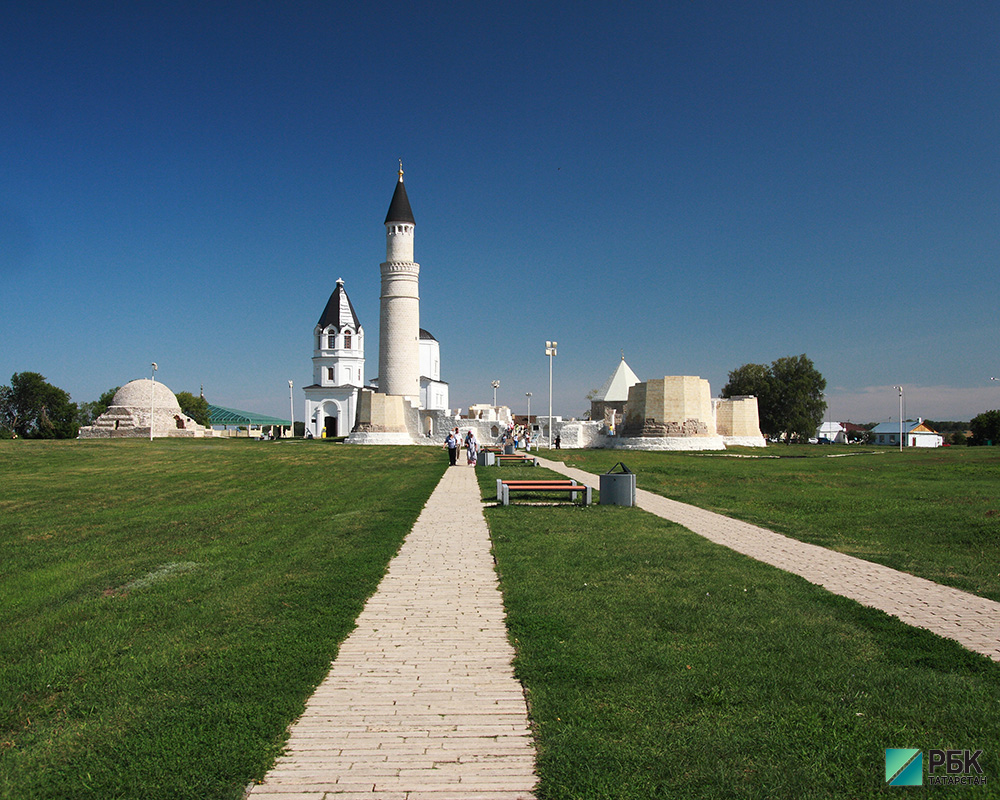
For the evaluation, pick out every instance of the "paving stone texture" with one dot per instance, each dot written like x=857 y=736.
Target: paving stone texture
x=970 y=620
x=421 y=702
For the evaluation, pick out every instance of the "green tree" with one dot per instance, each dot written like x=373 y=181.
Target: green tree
x=789 y=395
x=798 y=398
x=92 y=410
x=985 y=428
x=35 y=409
x=194 y=407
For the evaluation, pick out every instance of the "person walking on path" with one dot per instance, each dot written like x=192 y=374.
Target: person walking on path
x=451 y=443
x=471 y=448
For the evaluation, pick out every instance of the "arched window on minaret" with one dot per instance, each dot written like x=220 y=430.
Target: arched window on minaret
x=331 y=339
x=347 y=340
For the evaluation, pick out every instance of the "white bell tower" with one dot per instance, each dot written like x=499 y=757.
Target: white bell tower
x=338 y=368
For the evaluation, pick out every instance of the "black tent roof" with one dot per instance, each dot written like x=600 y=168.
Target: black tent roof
x=339 y=311
x=399 y=208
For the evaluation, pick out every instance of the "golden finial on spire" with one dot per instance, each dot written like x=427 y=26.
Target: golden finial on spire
x=400 y=169
x=623 y=355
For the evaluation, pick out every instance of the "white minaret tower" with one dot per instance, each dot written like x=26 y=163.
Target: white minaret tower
x=399 y=319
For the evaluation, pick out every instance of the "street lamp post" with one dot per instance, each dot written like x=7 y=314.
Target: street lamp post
x=291 y=406
x=900 y=417
x=495 y=385
x=528 y=395
x=152 y=395
x=550 y=351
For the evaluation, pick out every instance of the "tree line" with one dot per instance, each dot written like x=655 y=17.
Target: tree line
x=790 y=403
x=32 y=408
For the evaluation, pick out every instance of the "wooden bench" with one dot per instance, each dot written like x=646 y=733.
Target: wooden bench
x=517 y=458
x=504 y=488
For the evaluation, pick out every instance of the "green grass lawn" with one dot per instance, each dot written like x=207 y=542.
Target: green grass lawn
x=658 y=665
x=168 y=607
x=930 y=512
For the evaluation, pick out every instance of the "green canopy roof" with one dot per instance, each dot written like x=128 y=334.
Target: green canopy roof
x=231 y=416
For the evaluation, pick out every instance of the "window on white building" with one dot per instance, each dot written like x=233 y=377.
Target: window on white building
x=329 y=373
x=331 y=340
x=347 y=339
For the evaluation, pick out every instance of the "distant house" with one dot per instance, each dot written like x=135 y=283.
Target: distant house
x=835 y=432
x=915 y=434
x=842 y=432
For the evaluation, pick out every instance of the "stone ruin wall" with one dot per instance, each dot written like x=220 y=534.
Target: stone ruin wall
x=674 y=406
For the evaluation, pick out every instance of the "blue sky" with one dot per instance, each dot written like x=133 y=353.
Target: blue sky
x=699 y=184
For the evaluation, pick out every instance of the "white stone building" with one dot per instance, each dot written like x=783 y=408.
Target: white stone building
x=433 y=390
x=338 y=368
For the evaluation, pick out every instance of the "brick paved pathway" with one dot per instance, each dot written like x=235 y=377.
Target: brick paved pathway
x=421 y=702
x=970 y=620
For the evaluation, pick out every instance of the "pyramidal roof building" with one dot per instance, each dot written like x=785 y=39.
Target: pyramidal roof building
x=609 y=402
x=615 y=388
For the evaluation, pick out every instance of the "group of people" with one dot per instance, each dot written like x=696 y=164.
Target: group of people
x=519 y=435
x=454 y=440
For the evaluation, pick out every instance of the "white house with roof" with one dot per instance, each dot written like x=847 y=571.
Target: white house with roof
x=915 y=434
x=338 y=368
x=835 y=432
x=433 y=390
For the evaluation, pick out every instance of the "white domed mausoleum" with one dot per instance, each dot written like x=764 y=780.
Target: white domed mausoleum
x=134 y=405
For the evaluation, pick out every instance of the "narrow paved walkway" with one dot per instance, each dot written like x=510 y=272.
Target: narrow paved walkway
x=970 y=620
x=421 y=702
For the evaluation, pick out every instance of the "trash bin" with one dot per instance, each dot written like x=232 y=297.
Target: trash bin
x=618 y=488
x=508 y=449
x=484 y=459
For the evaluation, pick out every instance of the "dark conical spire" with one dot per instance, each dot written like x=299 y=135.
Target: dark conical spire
x=339 y=311
x=399 y=208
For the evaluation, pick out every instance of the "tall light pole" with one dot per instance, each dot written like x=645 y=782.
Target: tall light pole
x=900 y=417
x=152 y=394
x=550 y=351
x=495 y=385
x=291 y=405
x=528 y=395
